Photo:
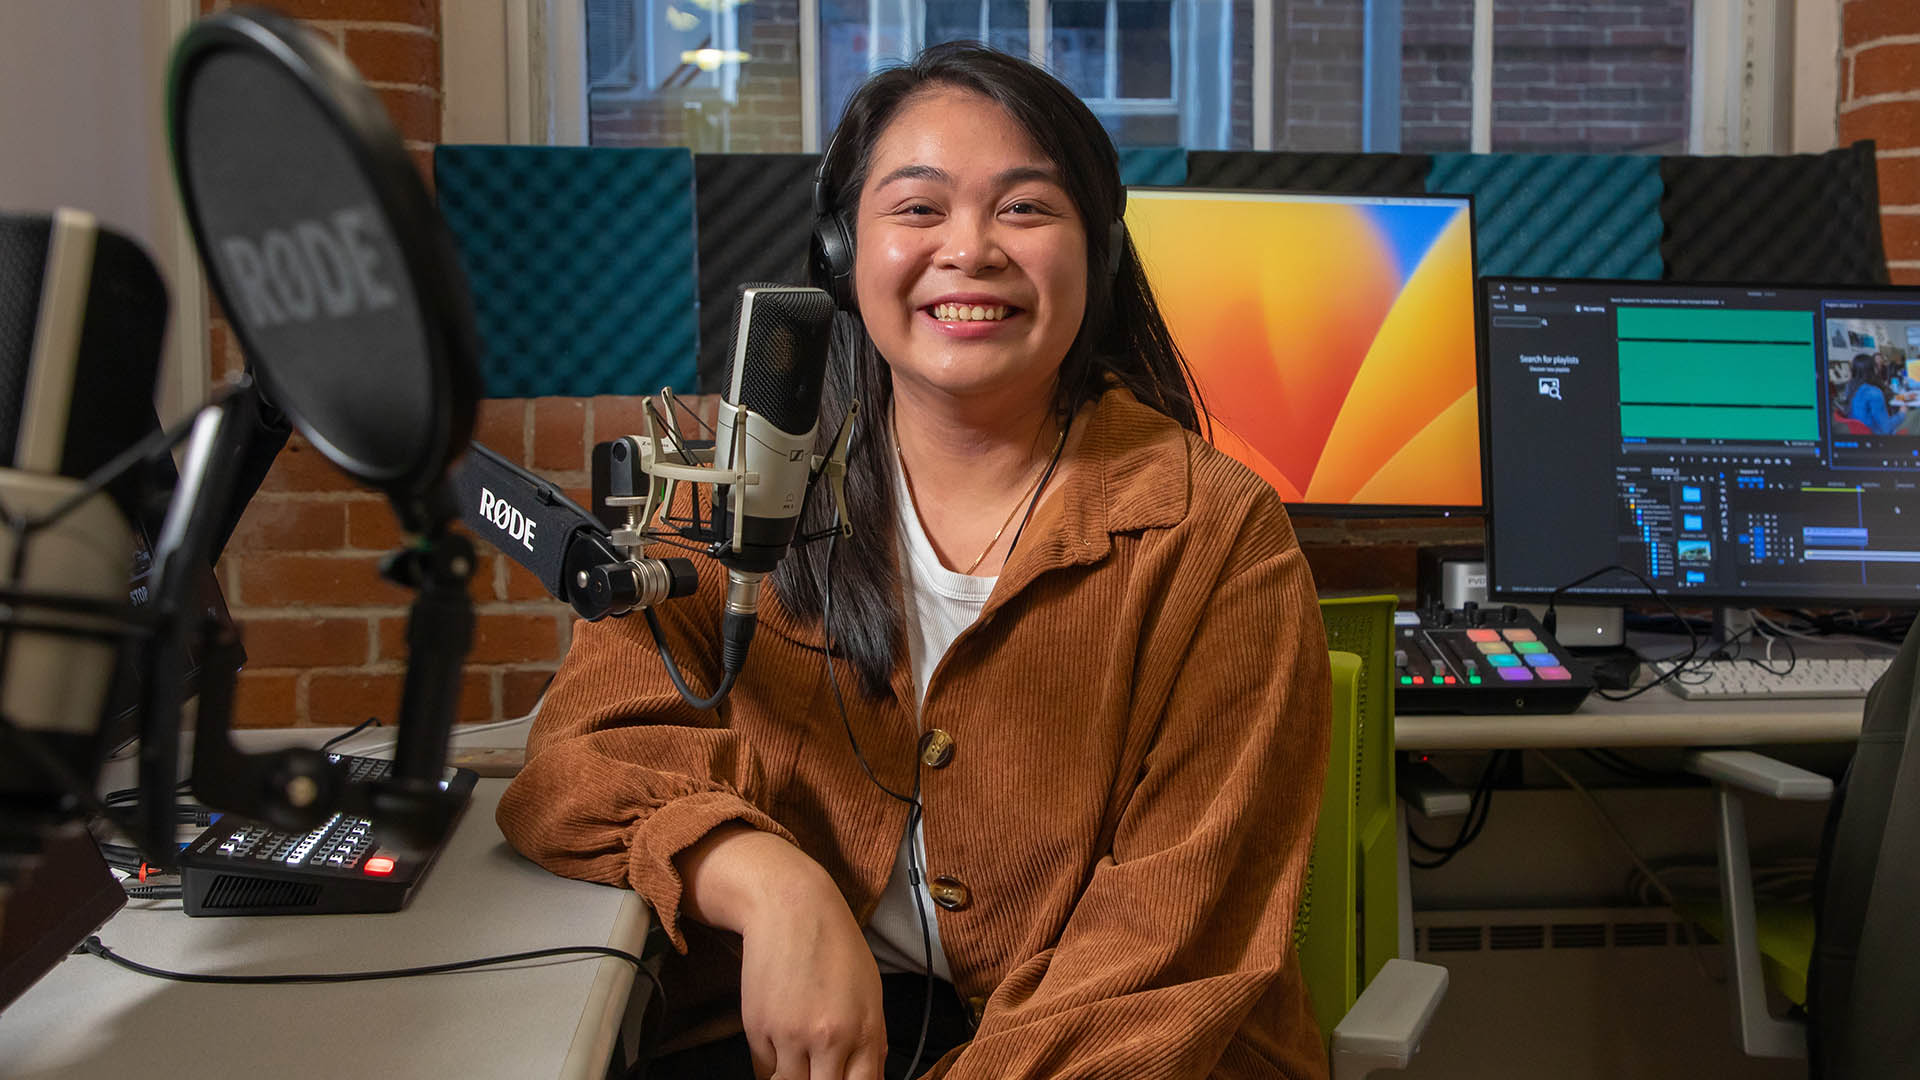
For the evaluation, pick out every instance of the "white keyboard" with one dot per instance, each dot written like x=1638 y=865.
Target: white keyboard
x=1732 y=680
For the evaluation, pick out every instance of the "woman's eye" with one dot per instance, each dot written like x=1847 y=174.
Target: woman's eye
x=1023 y=208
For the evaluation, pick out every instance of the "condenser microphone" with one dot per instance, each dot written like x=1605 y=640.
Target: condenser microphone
x=776 y=367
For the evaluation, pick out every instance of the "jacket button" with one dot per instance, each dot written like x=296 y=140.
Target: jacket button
x=950 y=893
x=976 y=1007
x=937 y=750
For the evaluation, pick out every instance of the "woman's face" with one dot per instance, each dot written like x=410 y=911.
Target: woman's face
x=970 y=261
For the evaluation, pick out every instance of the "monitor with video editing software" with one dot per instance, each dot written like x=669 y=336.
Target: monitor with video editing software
x=1331 y=338
x=1735 y=444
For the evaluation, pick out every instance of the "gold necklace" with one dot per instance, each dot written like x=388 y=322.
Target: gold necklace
x=1024 y=496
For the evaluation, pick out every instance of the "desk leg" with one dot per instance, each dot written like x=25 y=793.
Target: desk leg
x=1406 y=880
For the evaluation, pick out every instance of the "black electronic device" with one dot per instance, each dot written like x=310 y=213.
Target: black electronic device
x=1733 y=444
x=1495 y=659
x=338 y=867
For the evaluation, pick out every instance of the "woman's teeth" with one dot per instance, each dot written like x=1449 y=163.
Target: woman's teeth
x=970 y=312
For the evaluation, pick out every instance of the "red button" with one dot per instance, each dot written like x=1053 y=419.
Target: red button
x=1483 y=635
x=1557 y=674
x=380 y=864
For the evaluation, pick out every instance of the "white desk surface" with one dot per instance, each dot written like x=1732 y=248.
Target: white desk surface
x=553 y=1018
x=1655 y=718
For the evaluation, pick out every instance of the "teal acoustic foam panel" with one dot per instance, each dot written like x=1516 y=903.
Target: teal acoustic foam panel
x=581 y=262
x=1559 y=215
x=1153 y=166
x=1342 y=173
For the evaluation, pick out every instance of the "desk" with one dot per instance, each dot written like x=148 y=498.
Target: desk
x=1655 y=718
x=555 y=1018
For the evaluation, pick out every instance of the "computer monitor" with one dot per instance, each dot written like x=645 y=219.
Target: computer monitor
x=1736 y=444
x=1331 y=337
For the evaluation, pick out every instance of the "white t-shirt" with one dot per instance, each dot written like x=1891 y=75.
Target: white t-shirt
x=939 y=605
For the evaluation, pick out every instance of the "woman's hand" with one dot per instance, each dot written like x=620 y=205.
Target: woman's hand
x=809 y=989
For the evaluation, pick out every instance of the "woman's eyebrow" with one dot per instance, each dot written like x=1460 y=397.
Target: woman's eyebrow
x=916 y=172
x=1006 y=178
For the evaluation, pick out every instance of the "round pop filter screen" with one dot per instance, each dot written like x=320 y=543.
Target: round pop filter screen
x=297 y=187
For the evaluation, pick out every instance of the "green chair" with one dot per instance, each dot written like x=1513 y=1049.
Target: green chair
x=1373 y=1007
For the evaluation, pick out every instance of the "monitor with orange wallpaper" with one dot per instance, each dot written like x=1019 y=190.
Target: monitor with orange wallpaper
x=1332 y=338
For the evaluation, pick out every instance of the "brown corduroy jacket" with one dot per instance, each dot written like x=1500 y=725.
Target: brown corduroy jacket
x=1140 y=723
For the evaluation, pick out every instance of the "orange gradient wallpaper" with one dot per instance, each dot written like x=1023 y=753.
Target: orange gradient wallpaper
x=1331 y=337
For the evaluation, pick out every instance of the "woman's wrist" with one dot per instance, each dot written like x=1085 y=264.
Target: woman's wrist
x=737 y=874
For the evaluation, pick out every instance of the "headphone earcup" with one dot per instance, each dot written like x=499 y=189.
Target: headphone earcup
x=1116 y=247
x=832 y=256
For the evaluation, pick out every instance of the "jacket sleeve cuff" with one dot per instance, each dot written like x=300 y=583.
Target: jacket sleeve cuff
x=673 y=828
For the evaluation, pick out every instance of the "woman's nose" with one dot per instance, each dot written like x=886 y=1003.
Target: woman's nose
x=969 y=245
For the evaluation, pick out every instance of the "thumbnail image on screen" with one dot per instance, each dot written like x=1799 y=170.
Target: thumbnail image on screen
x=1741 y=443
x=1331 y=337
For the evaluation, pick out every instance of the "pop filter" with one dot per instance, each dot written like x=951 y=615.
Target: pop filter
x=343 y=287
x=326 y=252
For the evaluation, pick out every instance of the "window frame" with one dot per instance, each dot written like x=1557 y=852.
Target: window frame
x=1763 y=73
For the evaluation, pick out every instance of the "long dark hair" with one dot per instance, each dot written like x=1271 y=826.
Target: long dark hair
x=1865 y=372
x=1122 y=339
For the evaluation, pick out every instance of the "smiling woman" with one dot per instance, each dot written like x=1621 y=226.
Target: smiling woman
x=1021 y=777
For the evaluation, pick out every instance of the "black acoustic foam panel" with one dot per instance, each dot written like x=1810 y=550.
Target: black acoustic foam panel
x=1345 y=174
x=754 y=215
x=1811 y=219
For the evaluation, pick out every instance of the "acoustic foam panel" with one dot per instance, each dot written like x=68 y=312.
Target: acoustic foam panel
x=1153 y=166
x=1345 y=174
x=581 y=265
x=1559 y=215
x=754 y=215
x=1809 y=219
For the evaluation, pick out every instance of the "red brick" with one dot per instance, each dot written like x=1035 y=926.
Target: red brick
x=371 y=525
x=1900 y=181
x=1906 y=275
x=304 y=643
x=395 y=56
x=329 y=580
x=1902 y=235
x=559 y=434
x=1862 y=21
x=501 y=427
x=1892 y=125
x=522 y=585
x=617 y=416
x=520 y=689
x=265 y=699
x=503 y=638
x=416 y=113
x=302 y=468
x=347 y=698
x=290 y=523
x=1351 y=567
x=423 y=13
x=1885 y=69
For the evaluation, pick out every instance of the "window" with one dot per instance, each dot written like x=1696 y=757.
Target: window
x=714 y=75
x=1156 y=72
x=1334 y=75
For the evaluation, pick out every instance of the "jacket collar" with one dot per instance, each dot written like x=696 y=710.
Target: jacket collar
x=1130 y=473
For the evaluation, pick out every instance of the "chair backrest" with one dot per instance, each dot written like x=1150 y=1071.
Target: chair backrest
x=1325 y=926
x=1863 y=980
x=1363 y=626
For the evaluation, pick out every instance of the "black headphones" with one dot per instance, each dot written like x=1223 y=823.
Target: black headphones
x=830 y=254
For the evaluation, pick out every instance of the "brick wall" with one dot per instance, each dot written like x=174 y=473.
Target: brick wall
x=1880 y=100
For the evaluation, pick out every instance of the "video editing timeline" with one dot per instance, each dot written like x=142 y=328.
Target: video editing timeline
x=1724 y=441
